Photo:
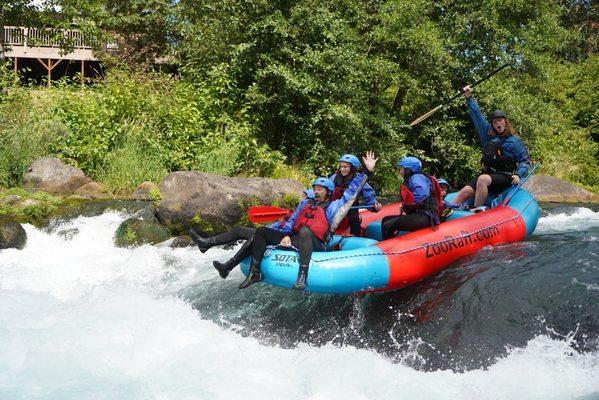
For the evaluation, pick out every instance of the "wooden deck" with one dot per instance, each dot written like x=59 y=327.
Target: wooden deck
x=45 y=46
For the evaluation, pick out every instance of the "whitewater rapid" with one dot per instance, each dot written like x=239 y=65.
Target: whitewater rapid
x=82 y=319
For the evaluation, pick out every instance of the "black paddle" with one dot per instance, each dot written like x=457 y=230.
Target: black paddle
x=460 y=92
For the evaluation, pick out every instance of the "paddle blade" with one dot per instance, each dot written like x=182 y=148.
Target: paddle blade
x=425 y=116
x=261 y=214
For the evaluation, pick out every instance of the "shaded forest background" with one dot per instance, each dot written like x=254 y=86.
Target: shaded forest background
x=282 y=88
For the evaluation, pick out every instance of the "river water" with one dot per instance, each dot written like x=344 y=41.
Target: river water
x=82 y=319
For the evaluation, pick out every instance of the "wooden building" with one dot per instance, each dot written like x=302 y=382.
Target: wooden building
x=36 y=49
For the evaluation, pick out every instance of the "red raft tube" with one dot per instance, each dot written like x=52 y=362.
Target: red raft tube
x=366 y=264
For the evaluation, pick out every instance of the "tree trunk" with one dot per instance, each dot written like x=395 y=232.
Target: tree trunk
x=399 y=97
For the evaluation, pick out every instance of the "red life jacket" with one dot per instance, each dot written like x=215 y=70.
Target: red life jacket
x=433 y=204
x=314 y=217
x=338 y=192
x=341 y=183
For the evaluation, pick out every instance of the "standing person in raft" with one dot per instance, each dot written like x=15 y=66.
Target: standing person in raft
x=422 y=205
x=346 y=172
x=505 y=158
x=242 y=233
x=306 y=230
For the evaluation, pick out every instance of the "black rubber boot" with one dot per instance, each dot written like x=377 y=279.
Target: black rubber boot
x=203 y=243
x=253 y=277
x=300 y=284
x=226 y=267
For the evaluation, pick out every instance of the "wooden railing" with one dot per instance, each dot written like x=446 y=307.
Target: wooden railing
x=35 y=37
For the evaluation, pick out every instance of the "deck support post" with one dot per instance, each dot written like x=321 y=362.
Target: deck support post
x=49 y=67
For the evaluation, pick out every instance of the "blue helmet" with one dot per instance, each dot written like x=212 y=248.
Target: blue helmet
x=326 y=182
x=350 y=159
x=309 y=193
x=411 y=163
x=443 y=182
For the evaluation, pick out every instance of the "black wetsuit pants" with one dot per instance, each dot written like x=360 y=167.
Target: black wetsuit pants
x=353 y=217
x=305 y=241
x=392 y=224
x=239 y=233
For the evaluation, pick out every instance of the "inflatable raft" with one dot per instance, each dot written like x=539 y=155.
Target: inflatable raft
x=366 y=264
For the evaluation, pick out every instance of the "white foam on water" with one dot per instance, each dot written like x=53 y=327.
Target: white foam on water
x=579 y=219
x=81 y=319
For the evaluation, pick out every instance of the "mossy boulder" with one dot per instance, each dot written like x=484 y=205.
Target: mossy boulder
x=91 y=190
x=12 y=234
x=213 y=203
x=73 y=208
x=10 y=199
x=28 y=207
x=147 y=191
x=135 y=232
x=182 y=241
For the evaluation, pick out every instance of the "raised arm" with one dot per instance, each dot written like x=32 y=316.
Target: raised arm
x=355 y=185
x=480 y=122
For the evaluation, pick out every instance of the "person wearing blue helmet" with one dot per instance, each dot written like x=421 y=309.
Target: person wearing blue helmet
x=306 y=229
x=444 y=187
x=242 y=233
x=505 y=158
x=348 y=168
x=421 y=200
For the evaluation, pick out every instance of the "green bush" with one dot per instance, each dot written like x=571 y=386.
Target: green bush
x=27 y=132
x=130 y=164
x=122 y=132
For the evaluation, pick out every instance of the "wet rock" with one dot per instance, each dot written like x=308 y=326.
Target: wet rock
x=76 y=207
x=12 y=234
x=147 y=191
x=91 y=190
x=28 y=203
x=10 y=199
x=53 y=176
x=213 y=203
x=135 y=232
x=182 y=241
x=68 y=233
x=554 y=190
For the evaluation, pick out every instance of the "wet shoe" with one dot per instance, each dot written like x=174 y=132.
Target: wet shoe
x=253 y=277
x=203 y=243
x=300 y=283
x=222 y=268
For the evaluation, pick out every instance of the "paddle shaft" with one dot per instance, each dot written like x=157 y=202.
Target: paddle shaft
x=342 y=212
x=522 y=181
x=260 y=214
x=460 y=92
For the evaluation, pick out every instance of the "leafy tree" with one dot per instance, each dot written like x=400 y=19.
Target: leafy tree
x=143 y=30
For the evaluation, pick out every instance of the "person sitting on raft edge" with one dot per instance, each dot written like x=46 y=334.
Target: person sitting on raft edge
x=447 y=206
x=505 y=158
x=422 y=206
x=306 y=230
x=444 y=187
x=349 y=166
x=242 y=233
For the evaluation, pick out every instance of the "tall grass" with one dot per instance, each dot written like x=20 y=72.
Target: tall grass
x=27 y=132
x=130 y=163
x=126 y=130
